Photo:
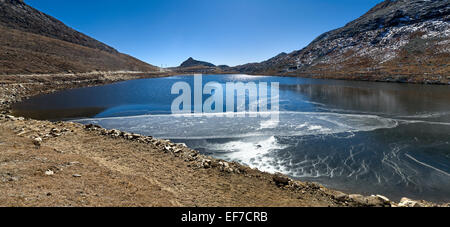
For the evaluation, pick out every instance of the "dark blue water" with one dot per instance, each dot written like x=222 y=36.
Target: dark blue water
x=359 y=137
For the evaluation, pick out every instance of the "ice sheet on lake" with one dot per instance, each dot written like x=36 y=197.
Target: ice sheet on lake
x=212 y=126
x=339 y=150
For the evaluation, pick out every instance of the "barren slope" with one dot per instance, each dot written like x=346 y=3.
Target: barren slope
x=33 y=42
x=402 y=40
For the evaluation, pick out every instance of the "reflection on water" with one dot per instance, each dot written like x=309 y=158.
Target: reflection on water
x=360 y=137
x=390 y=99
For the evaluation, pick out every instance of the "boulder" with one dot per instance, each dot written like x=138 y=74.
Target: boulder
x=37 y=141
x=49 y=172
x=406 y=202
x=340 y=196
x=206 y=163
x=114 y=133
x=384 y=198
x=281 y=180
x=10 y=117
x=375 y=201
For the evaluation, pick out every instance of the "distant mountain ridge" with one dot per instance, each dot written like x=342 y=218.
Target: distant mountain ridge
x=190 y=62
x=405 y=39
x=34 y=42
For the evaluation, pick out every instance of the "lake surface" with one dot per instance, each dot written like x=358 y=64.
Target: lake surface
x=358 y=137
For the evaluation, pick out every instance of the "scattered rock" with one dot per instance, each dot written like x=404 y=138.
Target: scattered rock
x=375 y=201
x=54 y=132
x=92 y=127
x=281 y=180
x=10 y=117
x=340 y=196
x=314 y=185
x=114 y=133
x=168 y=149
x=384 y=198
x=135 y=136
x=103 y=131
x=229 y=170
x=370 y=201
x=226 y=167
x=357 y=198
x=297 y=185
x=127 y=136
x=49 y=172
x=8 y=177
x=76 y=175
x=206 y=163
x=37 y=141
x=405 y=202
x=58 y=151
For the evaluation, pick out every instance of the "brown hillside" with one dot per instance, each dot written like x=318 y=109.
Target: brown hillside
x=33 y=42
x=402 y=40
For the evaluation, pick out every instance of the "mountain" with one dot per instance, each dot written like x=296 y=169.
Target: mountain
x=398 y=40
x=192 y=66
x=34 y=42
x=190 y=62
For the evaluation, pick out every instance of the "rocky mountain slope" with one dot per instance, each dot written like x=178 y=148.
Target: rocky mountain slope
x=400 y=40
x=33 y=42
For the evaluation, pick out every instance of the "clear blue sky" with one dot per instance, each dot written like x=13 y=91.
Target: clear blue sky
x=228 y=32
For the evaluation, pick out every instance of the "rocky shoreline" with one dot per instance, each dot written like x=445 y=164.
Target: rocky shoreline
x=42 y=134
x=39 y=132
